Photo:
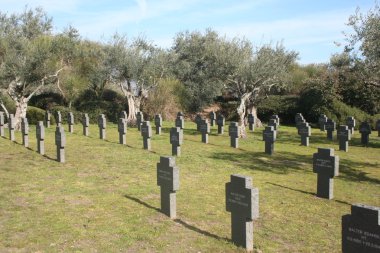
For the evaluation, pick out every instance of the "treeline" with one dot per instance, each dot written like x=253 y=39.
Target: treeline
x=43 y=70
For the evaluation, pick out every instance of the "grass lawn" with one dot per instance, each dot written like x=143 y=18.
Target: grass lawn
x=105 y=197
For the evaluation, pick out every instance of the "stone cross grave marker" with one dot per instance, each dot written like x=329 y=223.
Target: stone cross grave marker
x=47 y=119
x=305 y=131
x=11 y=127
x=124 y=115
x=58 y=118
x=168 y=180
x=60 y=142
x=85 y=123
x=344 y=135
x=322 y=122
x=70 y=122
x=361 y=229
x=2 y=123
x=220 y=121
x=139 y=120
x=365 y=131
x=102 y=124
x=326 y=165
x=298 y=118
x=234 y=133
x=197 y=120
x=180 y=122
x=180 y=114
x=25 y=132
x=158 y=123
x=242 y=201
x=330 y=127
x=351 y=123
x=269 y=135
x=40 y=134
x=273 y=123
x=212 y=118
x=122 y=129
x=251 y=122
x=205 y=129
x=378 y=127
x=146 y=133
x=176 y=139
x=277 y=119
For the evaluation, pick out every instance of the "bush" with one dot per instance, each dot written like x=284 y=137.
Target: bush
x=34 y=114
x=284 y=106
x=163 y=100
x=64 y=112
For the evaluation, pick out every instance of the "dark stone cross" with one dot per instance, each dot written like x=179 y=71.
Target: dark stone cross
x=269 y=135
x=102 y=124
x=25 y=132
x=122 y=129
x=158 y=123
x=220 y=121
x=58 y=118
x=85 y=123
x=378 y=127
x=176 y=139
x=351 y=123
x=40 y=134
x=242 y=201
x=2 y=123
x=70 y=122
x=212 y=118
x=180 y=122
x=273 y=123
x=234 y=133
x=124 y=115
x=365 y=131
x=204 y=128
x=146 y=133
x=11 y=127
x=180 y=114
x=60 y=142
x=322 y=122
x=251 y=122
x=330 y=127
x=298 y=118
x=361 y=229
x=326 y=165
x=344 y=135
x=305 y=131
x=139 y=119
x=47 y=119
x=277 y=119
x=168 y=180
x=198 y=120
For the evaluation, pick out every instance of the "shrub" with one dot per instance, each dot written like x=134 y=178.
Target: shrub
x=34 y=114
x=284 y=106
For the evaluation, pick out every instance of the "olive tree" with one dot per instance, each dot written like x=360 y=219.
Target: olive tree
x=30 y=58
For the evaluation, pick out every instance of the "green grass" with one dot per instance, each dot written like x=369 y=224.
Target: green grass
x=105 y=197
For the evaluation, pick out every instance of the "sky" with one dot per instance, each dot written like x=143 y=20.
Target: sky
x=309 y=27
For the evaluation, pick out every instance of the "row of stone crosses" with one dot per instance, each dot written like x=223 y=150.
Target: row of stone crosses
x=242 y=199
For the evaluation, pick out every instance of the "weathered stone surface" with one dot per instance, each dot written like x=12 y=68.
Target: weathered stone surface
x=58 y=118
x=11 y=127
x=220 y=121
x=344 y=135
x=122 y=129
x=351 y=123
x=60 y=142
x=102 y=124
x=139 y=119
x=326 y=165
x=2 y=123
x=361 y=229
x=322 y=122
x=251 y=122
x=269 y=136
x=146 y=133
x=198 y=120
x=40 y=134
x=212 y=118
x=168 y=180
x=25 y=132
x=204 y=128
x=158 y=123
x=242 y=200
x=304 y=130
x=176 y=139
x=85 y=124
x=47 y=119
x=330 y=127
x=234 y=133
x=70 y=122
x=365 y=131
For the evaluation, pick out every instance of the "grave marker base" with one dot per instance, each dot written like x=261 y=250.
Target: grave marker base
x=325 y=186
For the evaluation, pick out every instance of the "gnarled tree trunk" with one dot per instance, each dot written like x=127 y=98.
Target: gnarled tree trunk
x=241 y=111
x=21 y=107
x=253 y=110
x=134 y=104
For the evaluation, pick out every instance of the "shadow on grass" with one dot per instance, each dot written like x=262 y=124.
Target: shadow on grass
x=306 y=192
x=348 y=171
x=50 y=158
x=179 y=221
x=281 y=163
x=201 y=231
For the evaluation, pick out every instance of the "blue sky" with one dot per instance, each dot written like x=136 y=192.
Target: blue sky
x=309 y=27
